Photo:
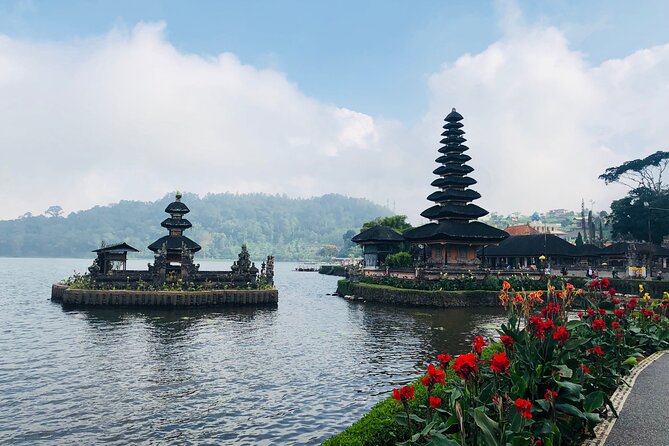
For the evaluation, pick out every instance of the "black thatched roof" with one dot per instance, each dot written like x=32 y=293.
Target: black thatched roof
x=453 y=158
x=453 y=169
x=118 y=247
x=454 y=195
x=533 y=246
x=454 y=211
x=177 y=207
x=619 y=248
x=378 y=234
x=176 y=223
x=588 y=250
x=453 y=148
x=453 y=182
x=460 y=231
x=174 y=243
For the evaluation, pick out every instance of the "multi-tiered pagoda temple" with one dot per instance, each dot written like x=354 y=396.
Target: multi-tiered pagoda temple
x=175 y=243
x=455 y=235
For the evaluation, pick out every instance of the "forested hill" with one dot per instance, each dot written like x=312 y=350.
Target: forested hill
x=289 y=228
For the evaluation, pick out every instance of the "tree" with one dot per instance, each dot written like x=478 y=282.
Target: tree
x=640 y=173
x=631 y=219
x=54 y=211
x=396 y=222
x=579 y=239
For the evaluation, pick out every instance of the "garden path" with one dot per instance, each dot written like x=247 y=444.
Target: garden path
x=644 y=419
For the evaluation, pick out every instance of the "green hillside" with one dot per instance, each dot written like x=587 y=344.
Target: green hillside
x=289 y=228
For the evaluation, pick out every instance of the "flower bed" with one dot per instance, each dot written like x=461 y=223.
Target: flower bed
x=548 y=383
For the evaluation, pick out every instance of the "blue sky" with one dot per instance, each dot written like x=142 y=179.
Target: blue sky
x=346 y=90
x=371 y=56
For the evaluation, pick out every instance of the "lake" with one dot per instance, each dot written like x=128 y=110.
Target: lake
x=292 y=374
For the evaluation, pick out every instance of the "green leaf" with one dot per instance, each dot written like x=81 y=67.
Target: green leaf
x=416 y=418
x=630 y=361
x=565 y=371
x=570 y=389
x=487 y=426
x=592 y=418
x=569 y=410
x=593 y=401
x=574 y=344
x=572 y=325
x=442 y=440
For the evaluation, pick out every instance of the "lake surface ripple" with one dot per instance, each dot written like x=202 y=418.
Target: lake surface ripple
x=291 y=374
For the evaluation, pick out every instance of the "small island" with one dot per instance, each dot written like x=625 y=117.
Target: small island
x=173 y=279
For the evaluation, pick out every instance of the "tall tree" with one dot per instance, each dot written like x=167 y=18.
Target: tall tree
x=646 y=172
x=396 y=222
x=579 y=239
x=631 y=219
x=54 y=211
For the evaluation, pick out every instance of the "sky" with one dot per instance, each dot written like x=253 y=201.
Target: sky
x=105 y=101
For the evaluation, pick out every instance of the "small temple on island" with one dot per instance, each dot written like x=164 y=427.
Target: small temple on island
x=454 y=236
x=173 y=270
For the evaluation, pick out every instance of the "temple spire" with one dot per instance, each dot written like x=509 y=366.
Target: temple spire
x=453 y=199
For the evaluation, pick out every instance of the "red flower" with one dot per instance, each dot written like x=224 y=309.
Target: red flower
x=657 y=317
x=506 y=285
x=615 y=300
x=524 y=407
x=548 y=325
x=434 y=402
x=584 y=368
x=602 y=311
x=550 y=395
x=499 y=363
x=537 y=326
x=615 y=325
x=620 y=313
x=478 y=344
x=507 y=341
x=591 y=312
x=605 y=282
x=550 y=310
x=579 y=314
x=403 y=394
x=598 y=325
x=632 y=303
x=596 y=350
x=612 y=292
x=444 y=359
x=647 y=313
x=561 y=334
x=569 y=286
x=434 y=376
x=465 y=365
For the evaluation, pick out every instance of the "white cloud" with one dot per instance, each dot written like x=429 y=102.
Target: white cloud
x=128 y=116
x=543 y=123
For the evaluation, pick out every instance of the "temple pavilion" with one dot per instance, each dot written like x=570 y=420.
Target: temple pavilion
x=175 y=247
x=454 y=235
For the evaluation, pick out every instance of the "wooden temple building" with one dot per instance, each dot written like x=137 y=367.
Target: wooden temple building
x=455 y=235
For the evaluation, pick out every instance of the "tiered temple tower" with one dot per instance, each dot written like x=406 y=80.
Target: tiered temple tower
x=456 y=235
x=175 y=247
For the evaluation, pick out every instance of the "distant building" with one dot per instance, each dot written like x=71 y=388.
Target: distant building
x=547 y=228
x=377 y=243
x=525 y=229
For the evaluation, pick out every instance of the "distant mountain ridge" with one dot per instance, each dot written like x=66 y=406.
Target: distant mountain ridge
x=289 y=228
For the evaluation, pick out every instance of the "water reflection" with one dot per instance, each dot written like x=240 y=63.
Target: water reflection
x=292 y=374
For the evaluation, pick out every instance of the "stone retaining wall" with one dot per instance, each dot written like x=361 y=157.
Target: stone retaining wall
x=420 y=298
x=69 y=296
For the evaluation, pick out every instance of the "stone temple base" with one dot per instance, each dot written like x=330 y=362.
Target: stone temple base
x=69 y=296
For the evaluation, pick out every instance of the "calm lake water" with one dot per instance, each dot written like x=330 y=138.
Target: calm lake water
x=296 y=373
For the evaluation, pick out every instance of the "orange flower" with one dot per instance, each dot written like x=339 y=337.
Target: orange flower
x=506 y=285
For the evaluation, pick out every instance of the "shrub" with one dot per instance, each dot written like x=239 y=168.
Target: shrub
x=400 y=259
